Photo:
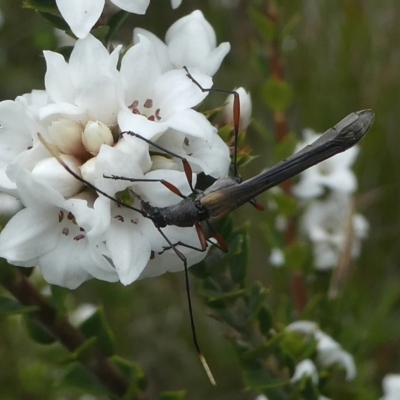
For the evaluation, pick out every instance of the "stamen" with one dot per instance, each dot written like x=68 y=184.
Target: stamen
x=148 y=103
x=79 y=237
x=65 y=231
x=134 y=104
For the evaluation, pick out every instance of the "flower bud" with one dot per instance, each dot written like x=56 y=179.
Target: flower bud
x=160 y=162
x=66 y=134
x=53 y=173
x=94 y=135
x=88 y=170
x=227 y=116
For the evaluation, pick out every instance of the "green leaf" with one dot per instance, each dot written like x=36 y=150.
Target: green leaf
x=239 y=254
x=307 y=389
x=49 y=6
x=131 y=370
x=265 y=320
x=277 y=94
x=9 y=306
x=96 y=326
x=77 y=376
x=255 y=301
x=134 y=375
x=55 y=21
x=222 y=296
x=101 y=32
x=82 y=351
x=265 y=27
x=178 y=395
x=287 y=205
x=261 y=379
x=37 y=332
x=114 y=24
x=297 y=346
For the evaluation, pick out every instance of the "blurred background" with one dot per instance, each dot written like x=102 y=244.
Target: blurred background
x=338 y=57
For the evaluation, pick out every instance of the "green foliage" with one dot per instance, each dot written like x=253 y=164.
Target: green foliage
x=48 y=6
x=96 y=326
x=38 y=333
x=9 y=307
x=78 y=377
x=276 y=94
x=265 y=28
x=55 y=21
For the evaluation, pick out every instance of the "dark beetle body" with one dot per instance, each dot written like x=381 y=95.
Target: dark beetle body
x=184 y=214
x=225 y=194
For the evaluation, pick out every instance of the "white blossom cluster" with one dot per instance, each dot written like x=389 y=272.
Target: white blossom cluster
x=71 y=232
x=329 y=221
x=329 y=353
x=391 y=387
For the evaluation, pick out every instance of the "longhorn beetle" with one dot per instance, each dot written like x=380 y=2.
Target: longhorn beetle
x=227 y=194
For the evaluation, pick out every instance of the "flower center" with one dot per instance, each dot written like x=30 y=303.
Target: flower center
x=69 y=226
x=147 y=109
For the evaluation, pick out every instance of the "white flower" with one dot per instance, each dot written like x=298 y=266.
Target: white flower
x=46 y=232
x=329 y=224
x=305 y=368
x=227 y=114
x=391 y=387
x=85 y=114
x=156 y=101
x=176 y=3
x=334 y=174
x=9 y=205
x=82 y=313
x=277 y=257
x=190 y=42
x=329 y=352
x=81 y=16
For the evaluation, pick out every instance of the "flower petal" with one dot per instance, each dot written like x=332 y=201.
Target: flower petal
x=140 y=69
x=63 y=265
x=29 y=234
x=194 y=124
x=57 y=80
x=100 y=100
x=175 y=91
x=129 y=249
x=159 y=46
x=80 y=15
x=136 y=6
